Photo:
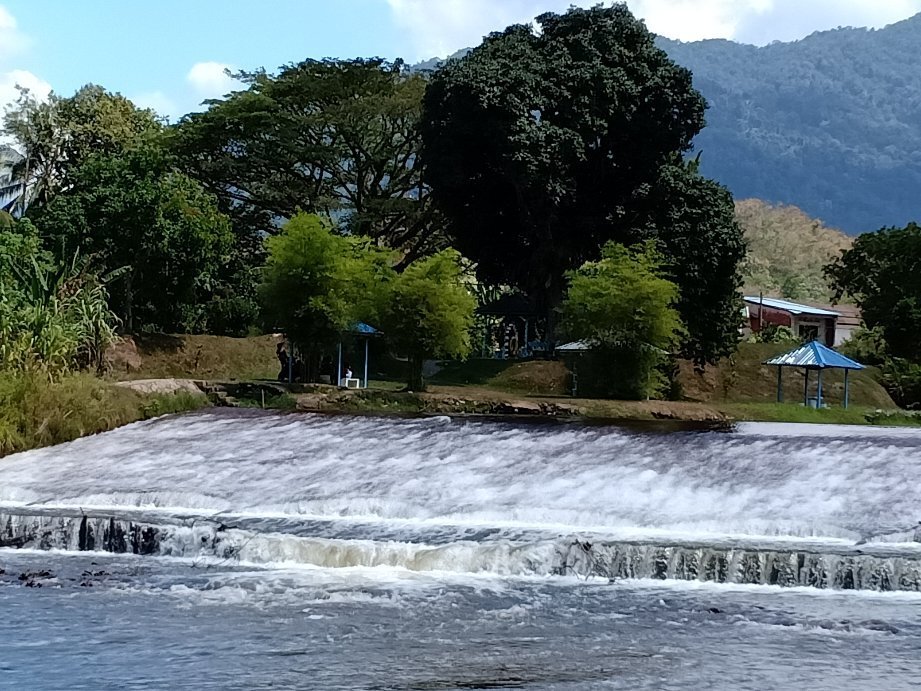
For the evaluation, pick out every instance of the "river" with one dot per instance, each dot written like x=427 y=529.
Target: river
x=245 y=550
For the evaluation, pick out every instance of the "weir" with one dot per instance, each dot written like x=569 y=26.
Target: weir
x=841 y=569
x=830 y=508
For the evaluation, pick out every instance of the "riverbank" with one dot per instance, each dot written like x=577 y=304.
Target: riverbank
x=37 y=412
x=478 y=401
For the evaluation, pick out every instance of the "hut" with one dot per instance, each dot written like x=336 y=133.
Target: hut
x=813 y=356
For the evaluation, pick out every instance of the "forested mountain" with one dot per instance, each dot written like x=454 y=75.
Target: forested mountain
x=831 y=123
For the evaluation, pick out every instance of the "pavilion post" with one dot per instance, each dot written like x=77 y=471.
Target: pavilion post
x=366 y=362
x=818 y=398
x=806 y=390
x=339 y=367
x=290 y=362
x=779 y=384
x=846 y=391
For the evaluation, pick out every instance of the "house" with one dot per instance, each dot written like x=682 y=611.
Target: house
x=831 y=326
x=849 y=320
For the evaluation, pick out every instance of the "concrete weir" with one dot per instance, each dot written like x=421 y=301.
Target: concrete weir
x=842 y=569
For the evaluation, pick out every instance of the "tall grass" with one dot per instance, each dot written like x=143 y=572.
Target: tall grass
x=36 y=411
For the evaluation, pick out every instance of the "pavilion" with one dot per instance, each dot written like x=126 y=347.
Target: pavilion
x=813 y=356
x=363 y=331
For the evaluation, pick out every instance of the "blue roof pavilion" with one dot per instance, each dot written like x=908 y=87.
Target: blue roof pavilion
x=813 y=356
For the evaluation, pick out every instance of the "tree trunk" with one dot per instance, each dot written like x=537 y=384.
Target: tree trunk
x=416 y=382
x=129 y=305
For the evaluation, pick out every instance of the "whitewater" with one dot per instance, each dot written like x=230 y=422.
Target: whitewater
x=235 y=549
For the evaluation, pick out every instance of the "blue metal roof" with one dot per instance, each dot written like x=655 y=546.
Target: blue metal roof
x=364 y=329
x=791 y=307
x=814 y=355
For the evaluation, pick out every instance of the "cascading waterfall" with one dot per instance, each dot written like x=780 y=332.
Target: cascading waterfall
x=835 y=509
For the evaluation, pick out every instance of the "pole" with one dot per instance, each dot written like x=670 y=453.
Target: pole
x=846 y=392
x=818 y=398
x=806 y=390
x=760 y=312
x=339 y=366
x=779 y=384
x=366 y=362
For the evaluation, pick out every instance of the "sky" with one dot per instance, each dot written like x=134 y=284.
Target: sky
x=170 y=55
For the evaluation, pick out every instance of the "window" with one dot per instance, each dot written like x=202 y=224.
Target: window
x=808 y=332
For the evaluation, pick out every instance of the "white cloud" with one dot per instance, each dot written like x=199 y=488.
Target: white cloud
x=211 y=80
x=26 y=80
x=12 y=40
x=158 y=102
x=9 y=93
x=789 y=20
x=439 y=28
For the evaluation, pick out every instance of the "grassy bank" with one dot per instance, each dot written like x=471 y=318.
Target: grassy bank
x=36 y=412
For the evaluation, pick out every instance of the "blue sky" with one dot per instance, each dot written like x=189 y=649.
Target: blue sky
x=170 y=54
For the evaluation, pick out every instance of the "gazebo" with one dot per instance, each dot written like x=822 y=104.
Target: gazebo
x=359 y=330
x=813 y=356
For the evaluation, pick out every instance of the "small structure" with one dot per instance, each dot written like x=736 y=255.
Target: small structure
x=807 y=322
x=574 y=348
x=813 y=356
x=518 y=327
x=359 y=330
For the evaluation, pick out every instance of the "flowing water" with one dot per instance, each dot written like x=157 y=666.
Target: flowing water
x=250 y=550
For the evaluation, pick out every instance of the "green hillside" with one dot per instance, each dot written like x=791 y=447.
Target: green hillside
x=787 y=251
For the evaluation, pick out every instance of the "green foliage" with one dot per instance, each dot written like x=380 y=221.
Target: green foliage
x=882 y=273
x=693 y=220
x=58 y=135
x=772 y=333
x=542 y=146
x=624 y=307
x=317 y=284
x=332 y=137
x=134 y=213
x=866 y=346
x=828 y=123
x=902 y=379
x=53 y=319
x=429 y=312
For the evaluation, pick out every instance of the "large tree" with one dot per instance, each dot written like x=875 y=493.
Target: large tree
x=133 y=213
x=56 y=136
x=429 y=312
x=318 y=284
x=624 y=307
x=541 y=146
x=882 y=272
x=332 y=137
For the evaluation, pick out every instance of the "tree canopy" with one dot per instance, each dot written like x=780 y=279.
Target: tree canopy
x=542 y=146
x=624 y=307
x=429 y=312
x=332 y=137
x=57 y=136
x=882 y=272
x=828 y=123
x=135 y=214
x=317 y=284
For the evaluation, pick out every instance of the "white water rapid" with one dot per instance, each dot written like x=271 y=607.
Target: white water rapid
x=246 y=550
x=827 y=507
